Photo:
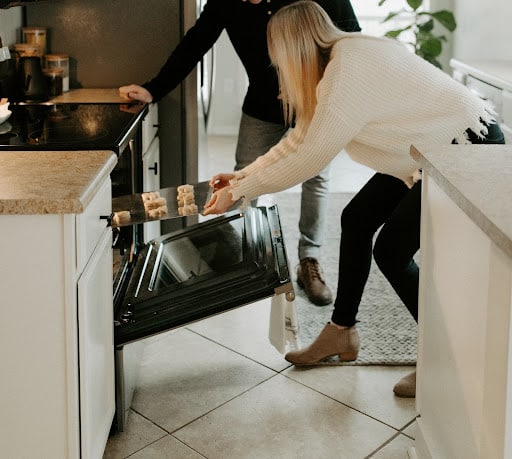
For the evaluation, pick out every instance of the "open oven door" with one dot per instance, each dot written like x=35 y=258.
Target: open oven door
x=202 y=270
x=191 y=274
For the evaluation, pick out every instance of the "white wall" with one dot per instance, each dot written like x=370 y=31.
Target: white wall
x=10 y=23
x=484 y=30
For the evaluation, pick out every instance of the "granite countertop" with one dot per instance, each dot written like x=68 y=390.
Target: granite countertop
x=478 y=178
x=51 y=182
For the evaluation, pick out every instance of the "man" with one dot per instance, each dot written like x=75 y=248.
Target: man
x=262 y=124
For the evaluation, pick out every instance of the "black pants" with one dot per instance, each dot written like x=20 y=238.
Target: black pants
x=384 y=202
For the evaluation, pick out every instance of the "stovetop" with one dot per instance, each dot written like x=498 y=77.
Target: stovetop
x=76 y=126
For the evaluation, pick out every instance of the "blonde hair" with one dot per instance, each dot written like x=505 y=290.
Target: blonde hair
x=300 y=37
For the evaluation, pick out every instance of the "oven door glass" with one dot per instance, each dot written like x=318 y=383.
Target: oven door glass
x=203 y=270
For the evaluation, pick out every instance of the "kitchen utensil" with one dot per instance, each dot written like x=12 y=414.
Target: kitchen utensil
x=131 y=209
x=31 y=80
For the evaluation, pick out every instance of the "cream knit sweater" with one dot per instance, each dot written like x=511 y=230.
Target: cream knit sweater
x=376 y=98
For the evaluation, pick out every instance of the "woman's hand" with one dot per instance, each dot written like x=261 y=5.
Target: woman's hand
x=220 y=202
x=220 y=181
x=135 y=92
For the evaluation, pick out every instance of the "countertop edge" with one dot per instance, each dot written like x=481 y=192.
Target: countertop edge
x=94 y=185
x=466 y=205
x=40 y=200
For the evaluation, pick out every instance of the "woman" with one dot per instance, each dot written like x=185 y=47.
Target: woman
x=374 y=98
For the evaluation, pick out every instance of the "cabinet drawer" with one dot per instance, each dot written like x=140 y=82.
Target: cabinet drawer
x=149 y=126
x=486 y=91
x=89 y=226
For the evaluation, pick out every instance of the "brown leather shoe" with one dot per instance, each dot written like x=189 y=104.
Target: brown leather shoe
x=406 y=387
x=309 y=277
x=331 y=341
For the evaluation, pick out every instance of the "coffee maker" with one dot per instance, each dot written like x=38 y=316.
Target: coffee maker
x=32 y=85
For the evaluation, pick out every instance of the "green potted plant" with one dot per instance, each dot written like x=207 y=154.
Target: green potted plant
x=427 y=43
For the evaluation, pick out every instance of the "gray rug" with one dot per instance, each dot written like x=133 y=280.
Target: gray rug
x=387 y=331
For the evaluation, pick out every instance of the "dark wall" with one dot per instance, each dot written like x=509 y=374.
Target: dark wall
x=110 y=42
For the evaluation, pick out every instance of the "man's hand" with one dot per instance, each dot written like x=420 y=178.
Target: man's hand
x=135 y=92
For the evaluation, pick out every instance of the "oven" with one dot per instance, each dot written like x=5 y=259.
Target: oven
x=198 y=271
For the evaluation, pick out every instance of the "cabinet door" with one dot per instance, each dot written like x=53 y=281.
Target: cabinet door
x=96 y=349
x=151 y=182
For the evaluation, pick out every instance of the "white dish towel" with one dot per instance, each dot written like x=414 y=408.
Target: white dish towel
x=283 y=330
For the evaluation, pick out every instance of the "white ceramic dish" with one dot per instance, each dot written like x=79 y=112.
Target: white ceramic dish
x=4 y=115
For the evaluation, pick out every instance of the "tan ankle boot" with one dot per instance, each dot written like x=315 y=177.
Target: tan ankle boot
x=406 y=387
x=331 y=341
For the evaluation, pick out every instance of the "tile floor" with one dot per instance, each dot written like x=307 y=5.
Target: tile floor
x=218 y=389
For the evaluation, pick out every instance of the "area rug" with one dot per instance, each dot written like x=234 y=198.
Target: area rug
x=387 y=331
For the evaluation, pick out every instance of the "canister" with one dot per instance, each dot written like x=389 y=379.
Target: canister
x=60 y=61
x=25 y=50
x=53 y=81
x=35 y=36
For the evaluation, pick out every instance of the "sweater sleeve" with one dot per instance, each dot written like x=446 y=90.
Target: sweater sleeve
x=302 y=154
x=194 y=45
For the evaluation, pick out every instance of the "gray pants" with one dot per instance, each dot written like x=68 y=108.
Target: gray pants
x=255 y=138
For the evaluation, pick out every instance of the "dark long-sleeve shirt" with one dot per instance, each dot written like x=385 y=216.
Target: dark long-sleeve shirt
x=246 y=26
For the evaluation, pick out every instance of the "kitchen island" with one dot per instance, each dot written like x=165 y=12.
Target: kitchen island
x=464 y=389
x=56 y=337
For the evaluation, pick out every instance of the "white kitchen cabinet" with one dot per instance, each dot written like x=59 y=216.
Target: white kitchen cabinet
x=151 y=163
x=56 y=336
x=464 y=384
x=95 y=344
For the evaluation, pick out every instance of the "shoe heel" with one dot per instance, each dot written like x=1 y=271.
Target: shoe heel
x=347 y=356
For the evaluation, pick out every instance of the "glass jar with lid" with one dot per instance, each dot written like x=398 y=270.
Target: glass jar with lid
x=35 y=36
x=59 y=61
x=54 y=81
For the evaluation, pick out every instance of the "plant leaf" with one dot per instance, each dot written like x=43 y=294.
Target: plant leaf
x=426 y=27
x=414 y=4
x=397 y=32
x=381 y=2
x=446 y=18
x=431 y=47
x=391 y=15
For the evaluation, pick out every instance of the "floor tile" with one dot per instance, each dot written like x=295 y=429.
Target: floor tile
x=184 y=375
x=395 y=449
x=411 y=431
x=365 y=388
x=244 y=330
x=167 y=448
x=283 y=419
x=139 y=433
